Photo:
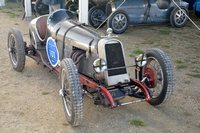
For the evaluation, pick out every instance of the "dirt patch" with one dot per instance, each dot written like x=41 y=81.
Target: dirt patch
x=30 y=102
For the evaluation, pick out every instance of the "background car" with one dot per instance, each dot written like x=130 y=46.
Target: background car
x=134 y=12
x=196 y=8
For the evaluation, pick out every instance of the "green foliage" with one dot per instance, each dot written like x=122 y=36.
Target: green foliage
x=136 y=52
x=166 y=46
x=181 y=66
x=187 y=113
x=12 y=15
x=137 y=122
x=194 y=62
x=179 y=61
x=148 y=42
x=45 y=93
x=194 y=75
x=198 y=33
x=164 y=32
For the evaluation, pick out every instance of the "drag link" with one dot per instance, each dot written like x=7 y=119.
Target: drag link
x=132 y=102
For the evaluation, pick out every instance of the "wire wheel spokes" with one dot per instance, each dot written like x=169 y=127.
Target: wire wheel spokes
x=153 y=63
x=180 y=17
x=66 y=93
x=96 y=15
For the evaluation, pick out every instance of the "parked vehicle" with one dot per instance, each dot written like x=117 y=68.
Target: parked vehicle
x=83 y=60
x=135 y=12
x=196 y=8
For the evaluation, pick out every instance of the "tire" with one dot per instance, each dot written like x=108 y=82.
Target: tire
x=160 y=73
x=41 y=8
x=16 y=48
x=196 y=13
x=95 y=15
x=71 y=92
x=91 y=4
x=71 y=6
x=118 y=21
x=178 y=18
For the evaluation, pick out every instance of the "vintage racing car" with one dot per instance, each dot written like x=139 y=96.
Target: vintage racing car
x=123 y=13
x=92 y=64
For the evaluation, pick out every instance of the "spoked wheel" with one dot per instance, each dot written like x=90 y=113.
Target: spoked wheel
x=178 y=17
x=41 y=8
x=95 y=17
x=118 y=21
x=71 y=92
x=160 y=74
x=16 y=48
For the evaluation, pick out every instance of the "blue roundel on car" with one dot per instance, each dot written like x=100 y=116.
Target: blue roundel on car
x=52 y=51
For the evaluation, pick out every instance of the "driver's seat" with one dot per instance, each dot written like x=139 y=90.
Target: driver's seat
x=41 y=27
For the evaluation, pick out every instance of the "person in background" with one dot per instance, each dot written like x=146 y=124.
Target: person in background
x=2 y=3
x=54 y=4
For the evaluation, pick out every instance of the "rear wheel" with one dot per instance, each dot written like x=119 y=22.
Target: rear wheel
x=178 y=17
x=71 y=92
x=95 y=17
x=160 y=75
x=118 y=21
x=16 y=48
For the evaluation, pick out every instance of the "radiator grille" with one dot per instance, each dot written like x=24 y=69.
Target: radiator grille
x=115 y=58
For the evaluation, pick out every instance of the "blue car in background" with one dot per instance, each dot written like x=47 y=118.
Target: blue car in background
x=137 y=12
x=196 y=8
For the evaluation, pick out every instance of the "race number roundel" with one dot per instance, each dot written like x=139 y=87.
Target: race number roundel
x=52 y=51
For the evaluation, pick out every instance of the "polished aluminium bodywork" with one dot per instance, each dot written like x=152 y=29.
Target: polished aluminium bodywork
x=70 y=35
x=92 y=64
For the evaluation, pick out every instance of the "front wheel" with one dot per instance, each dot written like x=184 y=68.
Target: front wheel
x=118 y=21
x=178 y=17
x=16 y=48
x=71 y=92
x=160 y=76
